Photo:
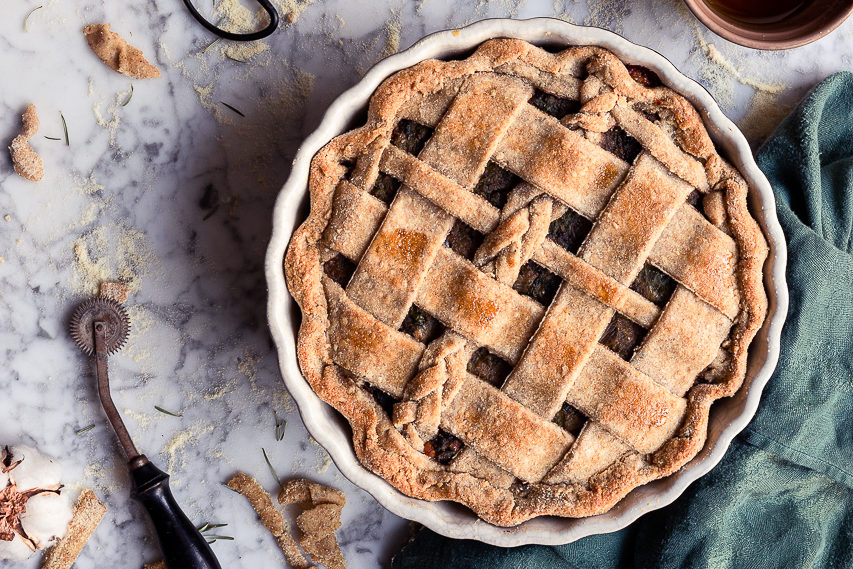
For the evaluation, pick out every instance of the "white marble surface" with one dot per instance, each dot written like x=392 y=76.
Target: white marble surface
x=125 y=194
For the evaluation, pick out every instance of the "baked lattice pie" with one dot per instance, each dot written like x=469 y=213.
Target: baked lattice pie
x=525 y=280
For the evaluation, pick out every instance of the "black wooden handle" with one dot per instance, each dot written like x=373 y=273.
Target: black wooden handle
x=182 y=545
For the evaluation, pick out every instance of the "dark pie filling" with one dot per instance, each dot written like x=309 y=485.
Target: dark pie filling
x=644 y=76
x=570 y=230
x=464 y=240
x=383 y=399
x=421 y=326
x=385 y=188
x=554 y=106
x=410 y=136
x=495 y=184
x=622 y=336
x=339 y=269
x=570 y=419
x=654 y=285
x=538 y=283
x=620 y=143
x=443 y=447
x=488 y=367
x=695 y=198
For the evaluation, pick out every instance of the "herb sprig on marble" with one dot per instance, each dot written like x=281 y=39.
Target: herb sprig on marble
x=280 y=426
x=212 y=537
x=27 y=17
x=167 y=412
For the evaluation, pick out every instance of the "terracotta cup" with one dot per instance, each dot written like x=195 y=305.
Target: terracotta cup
x=810 y=23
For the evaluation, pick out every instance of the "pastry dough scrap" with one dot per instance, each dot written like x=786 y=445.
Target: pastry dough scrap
x=88 y=513
x=117 y=53
x=27 y=163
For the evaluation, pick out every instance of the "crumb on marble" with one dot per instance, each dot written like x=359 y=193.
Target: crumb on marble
x=115 y=290
x=156 y=565
x=26 y=162
x=117 y=54
x=87 y=514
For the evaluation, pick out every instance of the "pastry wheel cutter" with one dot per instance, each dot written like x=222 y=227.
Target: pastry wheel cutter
x=99 y=326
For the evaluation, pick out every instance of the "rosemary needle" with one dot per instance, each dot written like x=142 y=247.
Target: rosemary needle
x=52 y=138
x=213 y=537
x=236 y=110
x=210 y=213
x=216 y=41
x=167 y=412
x=280 y=426
x=27 y=18
x=129 y=97
x=85 y=429
x=275 y=475
x=64 y=128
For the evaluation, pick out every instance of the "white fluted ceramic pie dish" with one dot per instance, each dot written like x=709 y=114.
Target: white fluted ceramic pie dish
x=728 y=417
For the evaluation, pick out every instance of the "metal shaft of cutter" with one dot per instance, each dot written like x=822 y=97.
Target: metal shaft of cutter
x=99 y=330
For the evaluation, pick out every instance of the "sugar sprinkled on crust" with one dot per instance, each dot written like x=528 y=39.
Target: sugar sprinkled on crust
x=27 y=163
x=88 y=513
x=117 y=53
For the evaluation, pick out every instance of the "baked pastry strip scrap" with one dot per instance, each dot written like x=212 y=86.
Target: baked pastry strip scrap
x=319 y=521
x=26 y=162
x=88 y=513
x=117 y=54
x=718 y=274
x=270 y=517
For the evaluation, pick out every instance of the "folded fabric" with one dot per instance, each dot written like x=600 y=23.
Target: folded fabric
x=783 y=494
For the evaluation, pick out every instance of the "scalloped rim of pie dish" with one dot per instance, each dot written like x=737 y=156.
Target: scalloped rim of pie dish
x=728 y=416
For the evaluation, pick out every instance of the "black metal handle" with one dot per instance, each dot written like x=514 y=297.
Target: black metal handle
x=265 y=4
x=182 y=545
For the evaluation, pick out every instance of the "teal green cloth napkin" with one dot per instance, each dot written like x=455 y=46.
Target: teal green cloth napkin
x=783 y=494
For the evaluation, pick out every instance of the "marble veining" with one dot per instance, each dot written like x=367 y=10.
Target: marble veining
x=171 y=191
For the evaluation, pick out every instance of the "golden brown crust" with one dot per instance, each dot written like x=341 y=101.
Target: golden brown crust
x=87 y=514
x=117 y=54
x=388 y=452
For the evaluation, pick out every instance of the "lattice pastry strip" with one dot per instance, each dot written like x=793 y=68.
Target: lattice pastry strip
x=633 y=409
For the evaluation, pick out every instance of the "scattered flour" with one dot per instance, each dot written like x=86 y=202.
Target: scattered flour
x=143 y=420
x=180 y=442
x=392 y=36
x=608 y=14
x=763 y=115
x=292 y=9
x=220 y=391
x=714 y=55
x=113 y=120
x=109 y=252
x=247 y=364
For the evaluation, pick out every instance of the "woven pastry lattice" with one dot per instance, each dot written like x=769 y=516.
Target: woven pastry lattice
x=525 y=280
